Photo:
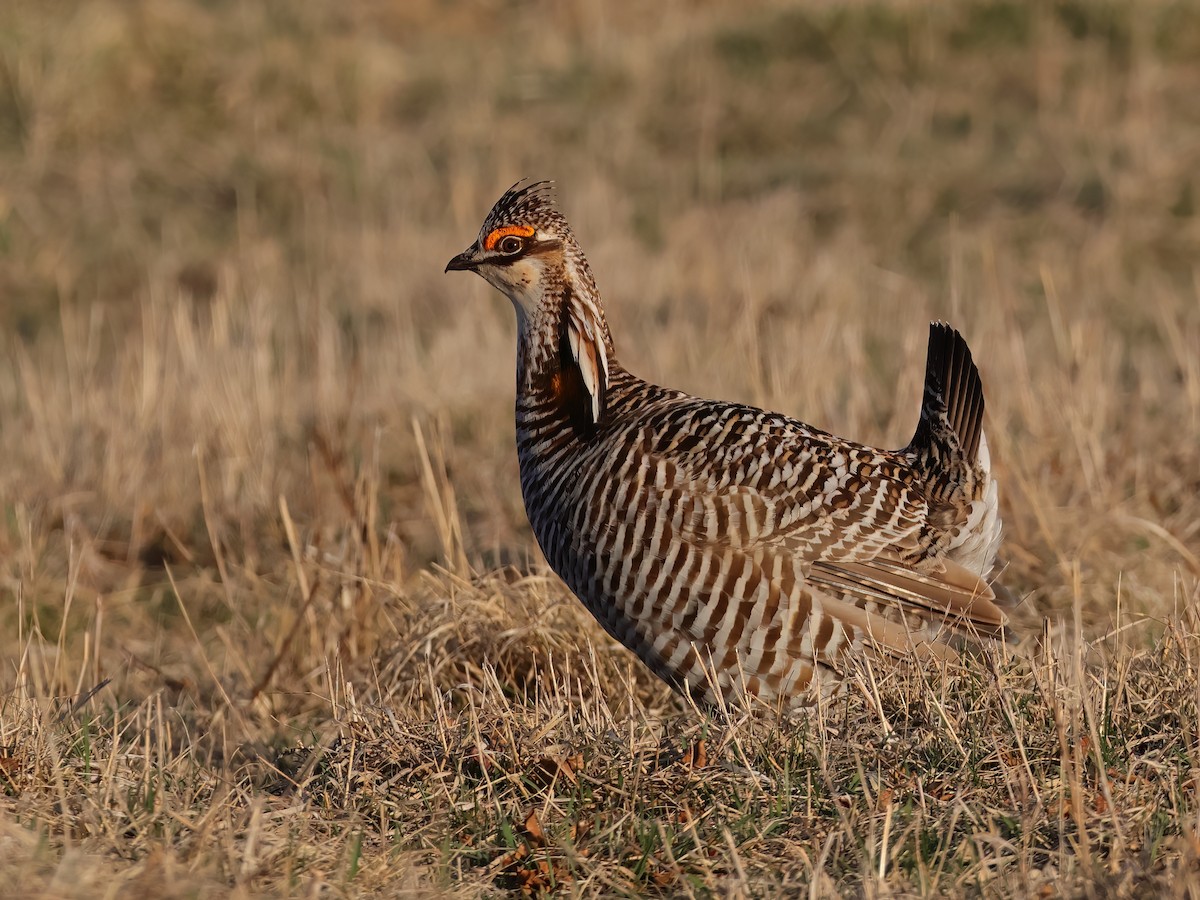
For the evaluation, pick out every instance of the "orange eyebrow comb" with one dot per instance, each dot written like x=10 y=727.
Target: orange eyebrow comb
x=490 y=242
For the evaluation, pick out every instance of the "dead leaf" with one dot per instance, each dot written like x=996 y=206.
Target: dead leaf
x=541 y=877
x=940 y=789
x=10 y=765
x=482 y=758
x=695 y=756
x=533 y=828
x=662 y=878
x=554 y=766
x=579 y=831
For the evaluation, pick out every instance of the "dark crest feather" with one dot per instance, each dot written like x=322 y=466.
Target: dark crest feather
x=526 y=204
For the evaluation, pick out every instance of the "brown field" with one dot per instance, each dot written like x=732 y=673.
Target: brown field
x=272 y=621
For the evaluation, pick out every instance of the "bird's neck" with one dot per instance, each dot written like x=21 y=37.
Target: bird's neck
x=564 y=349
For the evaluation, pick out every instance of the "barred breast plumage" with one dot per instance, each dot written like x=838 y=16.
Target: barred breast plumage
x=736 y=551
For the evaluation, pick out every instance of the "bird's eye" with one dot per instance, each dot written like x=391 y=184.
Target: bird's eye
x=511 y=244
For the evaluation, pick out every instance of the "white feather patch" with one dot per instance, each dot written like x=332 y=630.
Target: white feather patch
x=590 y=354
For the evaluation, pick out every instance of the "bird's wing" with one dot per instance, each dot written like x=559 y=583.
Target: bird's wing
x=818 y=544
x=744 y=478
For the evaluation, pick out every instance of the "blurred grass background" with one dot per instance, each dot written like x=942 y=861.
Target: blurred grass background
x=731 y=171
x=247 y=425
x=159 y=144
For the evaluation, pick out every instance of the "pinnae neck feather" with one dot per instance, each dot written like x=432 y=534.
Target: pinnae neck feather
x=565 y=351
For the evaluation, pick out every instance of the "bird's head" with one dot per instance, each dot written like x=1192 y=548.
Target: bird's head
x=525 y=244
x=527 y=251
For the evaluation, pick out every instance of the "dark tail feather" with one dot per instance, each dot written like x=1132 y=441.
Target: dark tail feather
x=953 y=399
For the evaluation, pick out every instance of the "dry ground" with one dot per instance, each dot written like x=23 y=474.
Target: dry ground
x=271 y=619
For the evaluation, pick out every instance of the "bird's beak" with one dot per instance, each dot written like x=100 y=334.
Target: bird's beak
x=465 y=261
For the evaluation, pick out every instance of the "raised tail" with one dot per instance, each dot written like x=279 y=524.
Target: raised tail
x=950 y=453
x=946 y=445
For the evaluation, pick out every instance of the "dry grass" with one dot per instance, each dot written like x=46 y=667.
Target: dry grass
x=272 y=618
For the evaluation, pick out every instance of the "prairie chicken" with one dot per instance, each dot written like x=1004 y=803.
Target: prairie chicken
x=735 y=551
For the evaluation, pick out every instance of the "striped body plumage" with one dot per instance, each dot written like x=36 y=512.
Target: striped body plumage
x=735 y=551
